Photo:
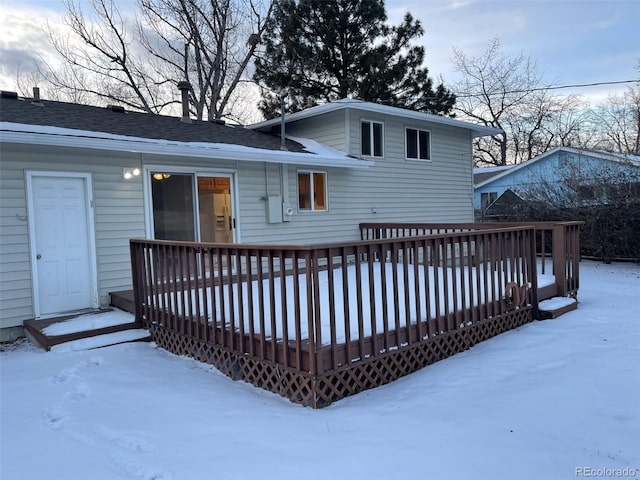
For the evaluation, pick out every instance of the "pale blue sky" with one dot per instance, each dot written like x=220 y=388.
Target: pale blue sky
x=572 y=41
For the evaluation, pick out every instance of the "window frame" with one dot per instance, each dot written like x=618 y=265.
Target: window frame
x=195 y=172
x=312 y=204
x=417 y=146
x=372 y=141
x=491 y=197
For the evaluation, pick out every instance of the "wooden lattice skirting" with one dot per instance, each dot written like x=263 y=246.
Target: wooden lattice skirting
x=318 y=391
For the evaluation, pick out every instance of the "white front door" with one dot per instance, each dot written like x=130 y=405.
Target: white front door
x=61 y=232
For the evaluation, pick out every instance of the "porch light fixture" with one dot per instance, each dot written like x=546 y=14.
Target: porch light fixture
x=128 y=173
x=161 y=176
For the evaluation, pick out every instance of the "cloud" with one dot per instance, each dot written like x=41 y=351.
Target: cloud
x=13 y=61
x=23 y=42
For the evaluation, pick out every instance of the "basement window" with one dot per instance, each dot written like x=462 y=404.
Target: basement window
x=312 y=191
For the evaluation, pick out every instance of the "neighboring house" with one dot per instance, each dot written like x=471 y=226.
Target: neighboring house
x=593 y=175
x=481 y=175
x=77 y=182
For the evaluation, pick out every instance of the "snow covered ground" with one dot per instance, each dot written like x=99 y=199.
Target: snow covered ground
x=557 y=399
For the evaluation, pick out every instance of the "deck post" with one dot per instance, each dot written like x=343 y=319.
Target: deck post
x=559 y=258
x=136 y=274
x=533 y=276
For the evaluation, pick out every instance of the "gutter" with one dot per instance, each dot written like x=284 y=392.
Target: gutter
x=60 y=137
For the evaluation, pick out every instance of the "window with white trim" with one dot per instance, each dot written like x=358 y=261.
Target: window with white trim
x=312 y=191
x=372 y=138
x=418 y=144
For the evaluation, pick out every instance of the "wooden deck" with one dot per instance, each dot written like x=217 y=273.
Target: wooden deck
x=316 y=323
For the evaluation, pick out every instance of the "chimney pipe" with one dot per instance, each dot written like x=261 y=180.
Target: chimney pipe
x=184 y=87
x=283 y=145
x=36 y=98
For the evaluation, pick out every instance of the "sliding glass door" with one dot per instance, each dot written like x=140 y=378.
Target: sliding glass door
x=192 y=207
x=214 y=202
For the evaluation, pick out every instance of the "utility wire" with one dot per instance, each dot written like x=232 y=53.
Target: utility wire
x=552 y=87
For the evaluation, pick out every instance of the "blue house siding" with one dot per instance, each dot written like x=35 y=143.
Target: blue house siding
x=551 y=167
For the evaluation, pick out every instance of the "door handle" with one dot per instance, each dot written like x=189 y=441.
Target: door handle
x=38 y=256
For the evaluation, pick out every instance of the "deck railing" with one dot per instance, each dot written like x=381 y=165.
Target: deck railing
x=322 y=308
x=557 y=246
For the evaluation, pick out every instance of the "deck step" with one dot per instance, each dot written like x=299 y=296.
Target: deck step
x=105 y=340
x=556 y=306
x=72 y=328
x=122 y=300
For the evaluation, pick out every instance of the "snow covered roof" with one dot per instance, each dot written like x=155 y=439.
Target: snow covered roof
x=633 y=160
x=477 y=130
x=621 y=157
x=74 y=125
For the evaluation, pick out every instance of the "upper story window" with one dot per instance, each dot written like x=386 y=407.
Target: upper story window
x=312 y=191
x=418 y=144
x=372 y=138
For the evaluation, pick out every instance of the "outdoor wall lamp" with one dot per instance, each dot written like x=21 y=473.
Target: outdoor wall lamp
x=128 y=173
x=161 y=176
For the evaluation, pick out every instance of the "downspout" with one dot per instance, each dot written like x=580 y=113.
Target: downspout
x=284 y=169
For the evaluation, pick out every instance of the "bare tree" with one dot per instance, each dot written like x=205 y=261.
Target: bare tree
x=543 y=122
x=508 y=93
x=617 y=122
x=137 y=62
x=209 y=43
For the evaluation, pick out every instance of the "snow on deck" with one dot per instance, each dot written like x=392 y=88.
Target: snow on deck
x=346 y=316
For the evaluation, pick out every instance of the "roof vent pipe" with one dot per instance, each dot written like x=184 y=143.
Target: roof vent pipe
x=184 y=87
x=283 y=146
x=36 y=98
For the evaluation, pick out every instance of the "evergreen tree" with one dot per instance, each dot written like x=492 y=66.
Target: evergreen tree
x=324 y=50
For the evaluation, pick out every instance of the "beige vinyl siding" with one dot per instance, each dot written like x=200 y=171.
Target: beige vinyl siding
x=415 y=190
x=328 y=129
x=252 y=208
x=15 y=269
x=118 y=216
x=439 y=190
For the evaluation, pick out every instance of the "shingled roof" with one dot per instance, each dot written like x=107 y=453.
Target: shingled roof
x=481 y=174
x=116 y=121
